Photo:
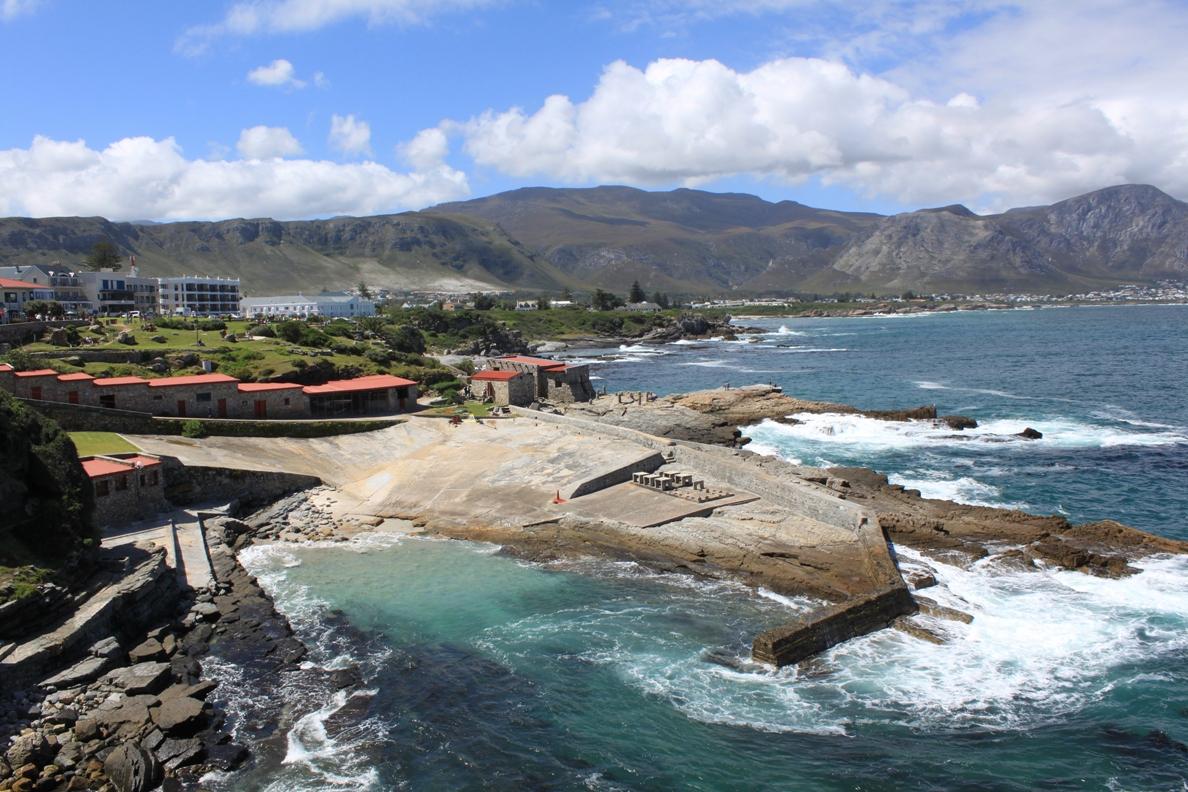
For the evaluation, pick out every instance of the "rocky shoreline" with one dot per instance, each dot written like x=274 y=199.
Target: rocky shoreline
x=135 y=713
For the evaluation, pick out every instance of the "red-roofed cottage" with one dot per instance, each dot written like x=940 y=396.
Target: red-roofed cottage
x=272 y=400
x=555 y=381
x=504 y=387
x=14 y=294
x=127 y=487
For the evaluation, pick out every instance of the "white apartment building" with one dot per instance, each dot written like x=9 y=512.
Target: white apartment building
x=111 y=293
x=196 y=295
x=332 y=305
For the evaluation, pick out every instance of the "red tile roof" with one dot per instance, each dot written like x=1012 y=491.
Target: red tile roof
x=192 y=379
x=96 y=467
x=77 y=376
x=8 y=283
x=497 y=376
x=256 y=387
x=374 y=382
x=547 y=365
x=5 y=367
x=37 y=373
x=104 y=381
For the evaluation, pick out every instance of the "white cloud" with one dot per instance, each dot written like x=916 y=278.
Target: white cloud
x=265 y=142
x=427 y=149
x=691 y=122
x=140 y=177
x=11 y=9
x=350 y=135
x=278 y=74
x=299 y=16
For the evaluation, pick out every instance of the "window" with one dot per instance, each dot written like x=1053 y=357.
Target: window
x=121 y=483
x=107 y=400
x=102 y=488
x=35 y=392
x=286 y=401
x=153 y=478
x=202 y=397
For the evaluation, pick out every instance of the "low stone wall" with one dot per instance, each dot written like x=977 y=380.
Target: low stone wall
x=85 y=418
x=827 y=627
x=189 y=484
x=645 y=464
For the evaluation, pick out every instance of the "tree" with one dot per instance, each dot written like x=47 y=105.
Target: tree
x=104 y=255
x=372 y=324
x=909 y=295
x=661 y=299
x=604 y=301
x=484 y=301
x=405 y=338
x=50 y=308
x=542 y=303
x=566 y=295
x=364 y=292
x=637 y=293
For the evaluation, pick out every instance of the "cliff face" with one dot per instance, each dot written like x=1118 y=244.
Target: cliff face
x=46 y=495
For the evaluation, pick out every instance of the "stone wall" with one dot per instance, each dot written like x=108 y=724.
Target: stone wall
x=86 y=418
x=826 y=627
x=190 y=484
x=648 y=463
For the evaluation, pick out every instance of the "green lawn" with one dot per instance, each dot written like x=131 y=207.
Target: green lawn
x=92 y=443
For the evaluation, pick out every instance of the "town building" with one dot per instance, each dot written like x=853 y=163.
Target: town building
x=504 y=387
x=111 y=293
x=332 y=305
x=65 y=285
x=642 y=307
x=215 y=395
x=15 y=293
x=196 y=295
x=555 y=381
x=127 y=487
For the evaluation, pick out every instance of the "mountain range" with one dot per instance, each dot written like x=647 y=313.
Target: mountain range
x=683 y=242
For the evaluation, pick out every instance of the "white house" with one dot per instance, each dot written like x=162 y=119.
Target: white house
x=333 y=305
x=197 y=295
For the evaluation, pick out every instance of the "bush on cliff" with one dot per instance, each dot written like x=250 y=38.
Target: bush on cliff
x=48 y=503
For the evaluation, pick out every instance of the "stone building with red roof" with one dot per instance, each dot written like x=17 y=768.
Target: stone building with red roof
x=556 y=381
x=127 y=487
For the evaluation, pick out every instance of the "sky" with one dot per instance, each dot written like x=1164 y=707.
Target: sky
x=314 y=108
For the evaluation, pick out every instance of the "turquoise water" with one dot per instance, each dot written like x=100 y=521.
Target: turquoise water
x=481 y=671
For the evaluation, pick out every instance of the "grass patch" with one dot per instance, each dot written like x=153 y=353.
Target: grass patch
x=466 y=409
x=95 y=443
x=20 y=582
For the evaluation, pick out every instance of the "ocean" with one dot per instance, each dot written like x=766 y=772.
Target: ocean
x=485 y=672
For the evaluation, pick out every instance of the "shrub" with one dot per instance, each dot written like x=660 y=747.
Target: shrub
x=264 y=331
x=302 y=334
x=405 y=338
x=380 y=357
x=193 y=429
x=466 y=366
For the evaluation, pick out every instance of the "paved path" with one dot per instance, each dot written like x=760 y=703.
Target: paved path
x=192 y=566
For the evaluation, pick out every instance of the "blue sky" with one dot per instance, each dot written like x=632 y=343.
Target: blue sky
x=150 y=110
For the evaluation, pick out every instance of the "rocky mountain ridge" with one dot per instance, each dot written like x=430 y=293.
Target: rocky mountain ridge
x=684 y=242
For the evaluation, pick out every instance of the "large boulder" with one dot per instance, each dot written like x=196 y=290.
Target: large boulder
x=180 y=717
x=59 y=337
x=132 y=768
x=125 y=337
x=29 y=748
x=140 y=678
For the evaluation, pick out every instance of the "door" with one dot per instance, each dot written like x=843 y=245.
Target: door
x=222 y=407
x=261 y=408
x=72 y=397
x=181 y=408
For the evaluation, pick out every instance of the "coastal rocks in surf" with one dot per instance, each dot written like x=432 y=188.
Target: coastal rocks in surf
x=962 y=534
x=714 y=416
